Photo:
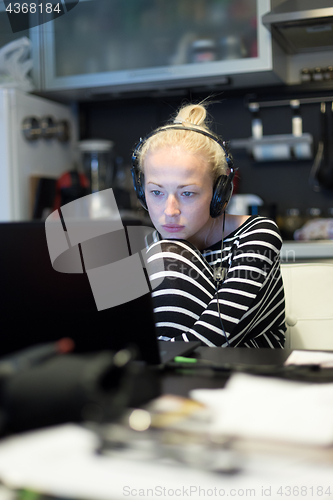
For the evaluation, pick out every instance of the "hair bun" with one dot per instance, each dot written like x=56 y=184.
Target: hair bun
x=194 y=114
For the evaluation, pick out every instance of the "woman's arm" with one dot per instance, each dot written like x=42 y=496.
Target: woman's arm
x=251 y=299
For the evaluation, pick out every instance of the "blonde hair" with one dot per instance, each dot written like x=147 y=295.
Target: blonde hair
x=194 y=116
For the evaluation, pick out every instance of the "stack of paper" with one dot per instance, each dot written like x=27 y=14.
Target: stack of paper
x=257 y=407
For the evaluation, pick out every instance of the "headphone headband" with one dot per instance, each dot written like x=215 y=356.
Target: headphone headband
x=222 y=144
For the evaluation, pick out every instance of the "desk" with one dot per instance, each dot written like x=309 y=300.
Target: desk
x=181 y=383
x=263 y=356
x=64 y=464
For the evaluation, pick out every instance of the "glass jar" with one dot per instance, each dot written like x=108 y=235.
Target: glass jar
x=203 y=50
x=97 y=163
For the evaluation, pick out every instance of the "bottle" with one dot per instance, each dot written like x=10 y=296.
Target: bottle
x=297 y=126
x=256 y=120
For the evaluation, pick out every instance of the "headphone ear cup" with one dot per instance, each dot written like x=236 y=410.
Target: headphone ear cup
x=138 y=183
x=221 y=195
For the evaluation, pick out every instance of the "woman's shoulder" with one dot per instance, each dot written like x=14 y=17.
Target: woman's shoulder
x=256 y=223
x=254 y=227
x=258 y=228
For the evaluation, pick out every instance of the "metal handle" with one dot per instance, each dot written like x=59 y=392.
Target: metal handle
x=31 y=128
x=48 y=127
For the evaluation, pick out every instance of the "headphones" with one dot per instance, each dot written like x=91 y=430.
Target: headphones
x=223 y=187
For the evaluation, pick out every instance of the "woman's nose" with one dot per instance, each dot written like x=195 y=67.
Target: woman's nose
x=171 y=206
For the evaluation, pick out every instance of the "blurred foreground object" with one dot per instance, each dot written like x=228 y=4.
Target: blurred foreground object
x=49 y=385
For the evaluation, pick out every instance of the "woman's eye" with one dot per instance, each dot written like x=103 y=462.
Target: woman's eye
x=188 y=193
x=156 y=192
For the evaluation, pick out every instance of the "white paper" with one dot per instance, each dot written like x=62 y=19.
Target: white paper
x=265 y=408
x=62 y=462
x=323 y=359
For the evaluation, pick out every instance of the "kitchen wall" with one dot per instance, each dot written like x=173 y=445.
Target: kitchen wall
x=283 y=183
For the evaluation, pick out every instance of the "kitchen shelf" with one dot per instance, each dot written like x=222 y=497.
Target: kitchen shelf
x=277 y=147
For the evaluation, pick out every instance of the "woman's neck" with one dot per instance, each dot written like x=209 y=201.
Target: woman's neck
x=214 y=235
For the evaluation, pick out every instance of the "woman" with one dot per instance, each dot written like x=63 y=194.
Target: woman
x=218 y=275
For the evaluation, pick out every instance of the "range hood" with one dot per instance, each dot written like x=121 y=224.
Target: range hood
x=302 y=26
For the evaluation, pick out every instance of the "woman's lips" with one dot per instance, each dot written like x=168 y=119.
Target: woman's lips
x=173 y=228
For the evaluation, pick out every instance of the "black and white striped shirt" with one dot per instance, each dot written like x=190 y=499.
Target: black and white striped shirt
x=247 y=309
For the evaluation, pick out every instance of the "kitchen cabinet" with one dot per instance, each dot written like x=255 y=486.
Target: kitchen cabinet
x=115 y=45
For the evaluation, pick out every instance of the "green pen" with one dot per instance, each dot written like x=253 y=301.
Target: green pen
x=182 y=359
x=183 y=362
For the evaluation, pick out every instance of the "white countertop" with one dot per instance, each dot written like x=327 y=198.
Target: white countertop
x=297 y=250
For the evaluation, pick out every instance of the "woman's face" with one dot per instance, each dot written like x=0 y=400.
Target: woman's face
x=178 y=189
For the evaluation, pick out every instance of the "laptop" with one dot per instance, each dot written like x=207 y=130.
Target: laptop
x=39 y=304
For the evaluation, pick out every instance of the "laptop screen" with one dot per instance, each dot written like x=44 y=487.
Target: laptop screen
x=39 y=304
